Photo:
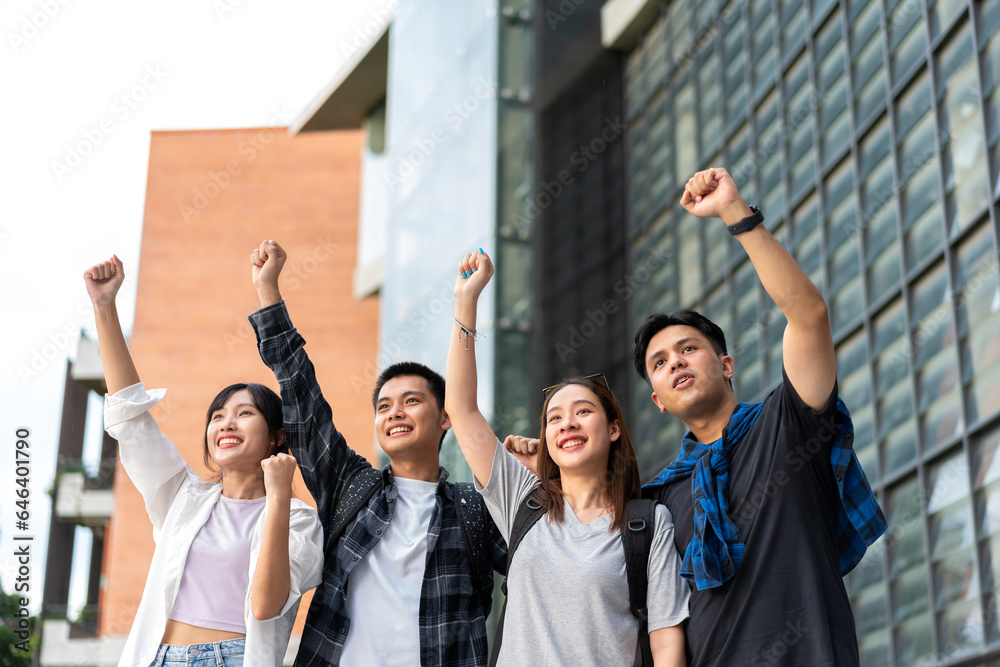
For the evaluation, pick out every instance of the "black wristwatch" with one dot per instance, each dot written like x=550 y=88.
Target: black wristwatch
x=747 y=223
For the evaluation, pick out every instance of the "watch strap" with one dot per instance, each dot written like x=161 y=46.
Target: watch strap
x=747 y=223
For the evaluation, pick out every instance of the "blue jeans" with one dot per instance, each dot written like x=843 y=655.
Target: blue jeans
x=228 y=653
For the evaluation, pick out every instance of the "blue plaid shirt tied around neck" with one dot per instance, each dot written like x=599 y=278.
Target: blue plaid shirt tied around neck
x=715 y=551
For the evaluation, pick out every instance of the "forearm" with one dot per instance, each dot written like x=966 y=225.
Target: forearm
x=667 y=647
x=475 y=437
x=321 y=450
x=268 y=295
x=119 y=369
x=272 y=574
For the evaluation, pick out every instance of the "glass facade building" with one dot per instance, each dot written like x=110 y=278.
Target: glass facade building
x=867 y=132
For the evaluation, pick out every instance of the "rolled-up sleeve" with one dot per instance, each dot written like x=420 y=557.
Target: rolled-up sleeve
x=150 y=459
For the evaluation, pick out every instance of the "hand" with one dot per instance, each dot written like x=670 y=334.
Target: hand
x=474 y=272
x=278 y=473
x=525 y=450
x=267 y=261
x=713 y=193
x=103 y=281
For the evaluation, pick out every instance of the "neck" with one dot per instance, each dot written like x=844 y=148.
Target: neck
x=423 y=471
x=584 y=492
x=708 y=428
x=243 y=485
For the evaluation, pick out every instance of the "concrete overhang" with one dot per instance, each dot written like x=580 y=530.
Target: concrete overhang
x=623 y=21
x=355 y=90
x=75 y=502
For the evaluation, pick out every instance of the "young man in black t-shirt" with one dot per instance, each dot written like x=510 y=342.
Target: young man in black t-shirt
x=770 y=505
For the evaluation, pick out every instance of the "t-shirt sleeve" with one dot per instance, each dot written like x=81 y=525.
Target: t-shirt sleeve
x=807 y=421
x=510 y=483
x=667 y=593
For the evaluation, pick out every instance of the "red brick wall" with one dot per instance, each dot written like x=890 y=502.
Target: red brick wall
x=211 y=198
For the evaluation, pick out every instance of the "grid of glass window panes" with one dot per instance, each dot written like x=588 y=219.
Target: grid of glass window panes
x=869 y=134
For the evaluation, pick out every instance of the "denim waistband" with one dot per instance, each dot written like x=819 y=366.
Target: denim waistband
x=223 y=649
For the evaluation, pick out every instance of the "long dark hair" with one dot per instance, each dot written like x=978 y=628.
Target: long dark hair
x=622 y=471
x=265 y=400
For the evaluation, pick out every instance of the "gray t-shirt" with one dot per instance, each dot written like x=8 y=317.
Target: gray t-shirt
x=567 y=591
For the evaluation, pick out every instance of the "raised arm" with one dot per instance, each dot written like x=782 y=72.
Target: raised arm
x=807 y=347
x=152 y=462
x=103 y=281
x=473 y=432
x=322 y=452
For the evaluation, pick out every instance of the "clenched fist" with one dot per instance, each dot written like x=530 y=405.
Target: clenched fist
x=279 y=470
x=103 y=281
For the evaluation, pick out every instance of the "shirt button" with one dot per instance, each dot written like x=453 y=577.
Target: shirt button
x=840 y=478
x=354 y=557
x=378 y=531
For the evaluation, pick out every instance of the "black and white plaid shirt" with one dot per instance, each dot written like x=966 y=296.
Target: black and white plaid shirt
x=452 y=623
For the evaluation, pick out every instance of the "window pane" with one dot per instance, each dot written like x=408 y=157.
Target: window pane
x=977 y=291
x=690 y=249
x=948 y=505
x=963 y=157
x=906 y=39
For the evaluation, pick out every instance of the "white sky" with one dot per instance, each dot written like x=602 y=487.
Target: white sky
x=64 y=69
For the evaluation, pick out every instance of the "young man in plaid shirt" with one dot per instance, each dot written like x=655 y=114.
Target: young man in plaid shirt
x=770 y=505
x=400 y=584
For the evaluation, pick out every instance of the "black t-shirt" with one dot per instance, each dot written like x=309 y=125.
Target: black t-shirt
x=786 y=604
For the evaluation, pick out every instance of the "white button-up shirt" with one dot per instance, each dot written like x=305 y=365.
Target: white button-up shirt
x=179 y=503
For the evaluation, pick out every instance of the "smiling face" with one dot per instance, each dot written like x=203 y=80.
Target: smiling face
x=688 y=376
x=578 y=435
x=237 y=435
x=408 y=421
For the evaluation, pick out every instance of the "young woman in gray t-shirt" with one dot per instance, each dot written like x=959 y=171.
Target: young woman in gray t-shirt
x=567 y=590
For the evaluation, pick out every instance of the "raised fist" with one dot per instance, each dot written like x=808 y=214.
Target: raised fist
x=267 y=261
x=278 y=473
x=474 y=272
x=103 y=281
x=713 y=193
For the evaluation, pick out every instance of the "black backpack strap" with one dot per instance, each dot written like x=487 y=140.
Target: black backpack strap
x=637 y=537
x=528 y=513
x=471 y=512
x=357 y=492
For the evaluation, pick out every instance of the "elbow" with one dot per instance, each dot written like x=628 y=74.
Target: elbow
x=818 y=313
x=264 y=610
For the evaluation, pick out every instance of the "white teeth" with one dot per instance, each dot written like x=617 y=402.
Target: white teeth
x=571 y=443
x=229 y=441
x=399 y=429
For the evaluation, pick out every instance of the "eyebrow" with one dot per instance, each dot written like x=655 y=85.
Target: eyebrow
x=409 y=392
x=238 y=405
x=579 y=400
x=655 y=354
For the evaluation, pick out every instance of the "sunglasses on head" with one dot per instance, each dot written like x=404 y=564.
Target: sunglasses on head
x=545 y=392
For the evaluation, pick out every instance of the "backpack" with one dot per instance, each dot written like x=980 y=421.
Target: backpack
x=469 y=508
x=637 y=536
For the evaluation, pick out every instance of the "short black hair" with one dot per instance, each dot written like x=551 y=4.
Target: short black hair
x=264 y=399
x=434 y=379
x=657 y=322
x=413 y=368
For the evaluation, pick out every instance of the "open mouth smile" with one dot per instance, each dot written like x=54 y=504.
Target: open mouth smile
x=572 y=443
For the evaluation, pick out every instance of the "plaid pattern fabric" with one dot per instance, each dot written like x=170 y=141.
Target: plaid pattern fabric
x=452 y=623
x=715 y=551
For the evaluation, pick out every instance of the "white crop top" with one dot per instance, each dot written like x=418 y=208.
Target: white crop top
x=216 y=573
